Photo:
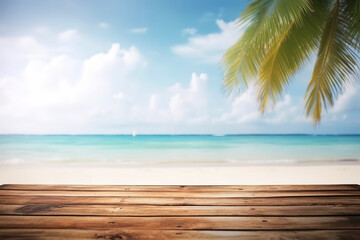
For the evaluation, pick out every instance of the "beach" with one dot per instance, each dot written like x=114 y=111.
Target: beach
x=179 y=159
x=185 y=174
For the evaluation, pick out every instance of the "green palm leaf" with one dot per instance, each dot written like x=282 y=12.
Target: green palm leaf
x=264 y=19
x=281 y=35
x=335 y=66
x=283 y=59
x=352 y=13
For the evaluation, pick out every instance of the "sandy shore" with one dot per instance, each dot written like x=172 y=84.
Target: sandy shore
x=340 y=173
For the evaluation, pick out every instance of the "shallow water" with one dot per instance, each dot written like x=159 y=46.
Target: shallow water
x=110 y=149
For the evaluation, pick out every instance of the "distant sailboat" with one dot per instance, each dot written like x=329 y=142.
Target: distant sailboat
x=134 y=134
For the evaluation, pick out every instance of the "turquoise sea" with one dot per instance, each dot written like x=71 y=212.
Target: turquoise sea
x=118 y=149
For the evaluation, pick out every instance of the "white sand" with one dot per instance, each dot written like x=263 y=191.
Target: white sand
x=340 y=173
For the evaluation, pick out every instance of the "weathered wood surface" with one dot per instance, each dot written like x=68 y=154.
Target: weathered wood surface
x=115 y=234
x=247 y=194
x=175 y=201
x=186 y=223
x=180 y=212
x=147 y=210
x=176 y=188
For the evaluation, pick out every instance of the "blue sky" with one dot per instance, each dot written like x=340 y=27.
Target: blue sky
x=113 y=67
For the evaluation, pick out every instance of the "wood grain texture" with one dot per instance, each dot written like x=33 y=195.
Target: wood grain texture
x=161 y=201
x=146 y=210
x=115 y=234
x=244 y=194
x=188 y=223
x=180 y=212
x=176 y=188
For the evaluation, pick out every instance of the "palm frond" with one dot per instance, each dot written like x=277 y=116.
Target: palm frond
x=271 y=78
x=288 y=53
x=335 y=66
x=281 y=35
x=351 y=11
x=265 y=19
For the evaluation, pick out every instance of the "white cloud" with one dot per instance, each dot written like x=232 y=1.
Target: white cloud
x=209 y=48
x=64 y=95
x=286 y=111
x=103 y=25
x=50 y=83
x=15 y=52
x=154 y=102
x=119 y=95
x=189 y=31
x=117 y=59
x=139 y=30
x=191 y=102
x=348 y=100
x=24 y=47
x=60 y=94
x=176 y=104
x=68 y=35
x=347 y=104
x=244 y=109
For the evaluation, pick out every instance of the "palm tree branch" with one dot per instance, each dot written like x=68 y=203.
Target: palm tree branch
x=335 y=65
x=264 y=19
x=288 y=53
x=269 y=86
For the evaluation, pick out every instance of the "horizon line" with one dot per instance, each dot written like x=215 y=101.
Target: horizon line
x=181 y=134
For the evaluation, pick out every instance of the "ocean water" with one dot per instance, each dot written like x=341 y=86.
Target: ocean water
x=119 y=149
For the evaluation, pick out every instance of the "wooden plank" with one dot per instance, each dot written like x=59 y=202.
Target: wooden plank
x=145 y=210
x=181 y=194
x=184 y=223
x=161 y=188
x=281 y=201
x=176 y=212
x=60 y=234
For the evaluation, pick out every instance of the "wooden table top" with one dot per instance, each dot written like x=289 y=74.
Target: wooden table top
x=180 y=212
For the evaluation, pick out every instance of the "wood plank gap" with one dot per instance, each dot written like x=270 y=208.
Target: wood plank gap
x=173 y=234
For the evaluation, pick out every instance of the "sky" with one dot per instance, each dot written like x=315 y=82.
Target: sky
x=149 y=66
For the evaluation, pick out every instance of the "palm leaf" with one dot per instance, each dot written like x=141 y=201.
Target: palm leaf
x=291 y=49
x=335 y=66
x=282 y=34
x=265 y=19
x=351 y=11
